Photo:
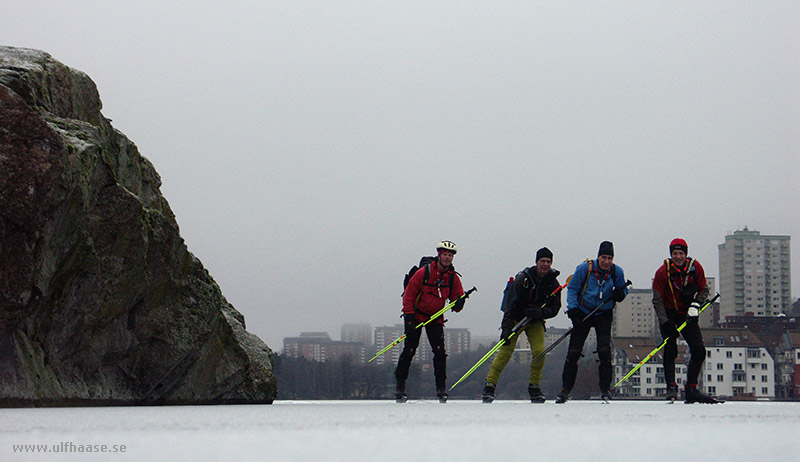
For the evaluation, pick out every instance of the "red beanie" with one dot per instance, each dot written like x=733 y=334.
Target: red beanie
x=678 y=244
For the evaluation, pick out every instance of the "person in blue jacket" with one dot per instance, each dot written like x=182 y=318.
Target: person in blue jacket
x=595 y=283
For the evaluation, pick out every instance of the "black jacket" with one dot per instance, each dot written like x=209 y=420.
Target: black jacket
x=531 y=291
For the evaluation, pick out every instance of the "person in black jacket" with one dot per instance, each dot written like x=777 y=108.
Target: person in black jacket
x=527 y=296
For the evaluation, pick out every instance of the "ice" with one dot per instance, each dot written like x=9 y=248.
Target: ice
x=419 y=430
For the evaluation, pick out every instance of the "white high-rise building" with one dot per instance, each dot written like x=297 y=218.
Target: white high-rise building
x=754 y=274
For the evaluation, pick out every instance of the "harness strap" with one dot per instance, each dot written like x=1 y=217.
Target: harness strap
x=668 y=265
x=588 y=274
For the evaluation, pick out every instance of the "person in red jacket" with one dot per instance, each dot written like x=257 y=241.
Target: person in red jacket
x=423 y=297
x=679 y=290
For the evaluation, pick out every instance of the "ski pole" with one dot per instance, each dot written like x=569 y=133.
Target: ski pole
x=567 y=333
x=653 y=353
x=423 y=324
x=503 y=341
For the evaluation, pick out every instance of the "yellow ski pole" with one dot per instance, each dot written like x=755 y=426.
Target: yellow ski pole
x=663 y=344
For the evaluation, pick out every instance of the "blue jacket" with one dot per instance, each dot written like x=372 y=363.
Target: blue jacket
x=598 y=281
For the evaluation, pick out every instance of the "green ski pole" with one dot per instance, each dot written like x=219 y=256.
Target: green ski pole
x=503 y=341
x=664 y=343
x=423 y=324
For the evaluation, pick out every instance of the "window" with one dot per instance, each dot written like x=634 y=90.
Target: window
x=739 y=377
x=720 y=366
x=729 y=354
x=764 y=391
x=720 y=378
x=764 y=378
x=764 y=367
x=738 y=367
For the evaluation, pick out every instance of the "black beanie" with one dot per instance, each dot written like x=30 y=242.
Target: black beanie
x=544 y=252
x=606 y=248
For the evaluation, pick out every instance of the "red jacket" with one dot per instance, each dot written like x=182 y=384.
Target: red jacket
x=433 y=294
x=667 y=287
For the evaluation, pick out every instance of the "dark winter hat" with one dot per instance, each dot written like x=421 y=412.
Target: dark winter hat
x=678 y=244
x=606 y=248
x=544 y=252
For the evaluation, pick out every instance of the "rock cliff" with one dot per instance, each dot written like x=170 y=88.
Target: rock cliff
x=100 y=300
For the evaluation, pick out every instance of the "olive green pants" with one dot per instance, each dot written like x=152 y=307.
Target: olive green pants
x=535 y=333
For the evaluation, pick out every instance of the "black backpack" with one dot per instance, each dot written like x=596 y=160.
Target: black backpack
x=504 y=305
x=425 y=262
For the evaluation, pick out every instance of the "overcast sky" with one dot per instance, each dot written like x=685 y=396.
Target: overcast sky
x=313 y=151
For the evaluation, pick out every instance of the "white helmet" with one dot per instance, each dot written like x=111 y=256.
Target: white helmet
x=450 y=246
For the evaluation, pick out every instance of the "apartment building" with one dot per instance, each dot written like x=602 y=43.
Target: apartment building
x=384 y=335
x=357 y=332
x=755 y=274
x=318 y=346
x=737 y=364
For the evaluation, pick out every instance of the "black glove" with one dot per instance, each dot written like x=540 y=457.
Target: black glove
x=459 y=305
x=618 y=294
x=410 y=319
x=505 y=333
x=576 y=315
x=668 y=329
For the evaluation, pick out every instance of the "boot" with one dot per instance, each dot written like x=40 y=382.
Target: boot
x=605 y=395
x=536 y=394
x=441 y=393
x=400 y=392
x=488 y=393
x=562 y=396
x=693 y=395
x=672 y=392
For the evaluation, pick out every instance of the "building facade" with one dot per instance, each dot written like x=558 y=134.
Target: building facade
x=359 y=332
x=755 y=274
x=737 y=365
x=318 y=346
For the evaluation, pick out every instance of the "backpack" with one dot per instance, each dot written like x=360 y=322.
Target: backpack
x=425 y=262
x=504 y=306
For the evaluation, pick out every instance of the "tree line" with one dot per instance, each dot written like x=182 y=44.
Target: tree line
x=342 y=379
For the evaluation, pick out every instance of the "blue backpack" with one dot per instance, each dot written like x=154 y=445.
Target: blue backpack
x=504 y=305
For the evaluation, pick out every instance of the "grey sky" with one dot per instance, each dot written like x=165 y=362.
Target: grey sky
x=313 y=151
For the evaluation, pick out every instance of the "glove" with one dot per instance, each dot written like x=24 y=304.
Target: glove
x=618 y=294
x=668 y=329
x=694 y=310
x=576 y=315
x=410 y=319
x=505 y=333
x=459 y=305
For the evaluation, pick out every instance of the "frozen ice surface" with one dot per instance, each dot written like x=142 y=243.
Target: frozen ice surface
x=329 y=431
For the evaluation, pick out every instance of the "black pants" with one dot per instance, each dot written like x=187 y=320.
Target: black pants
x=694 y=338
x=435 y=333
x=602 y=328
